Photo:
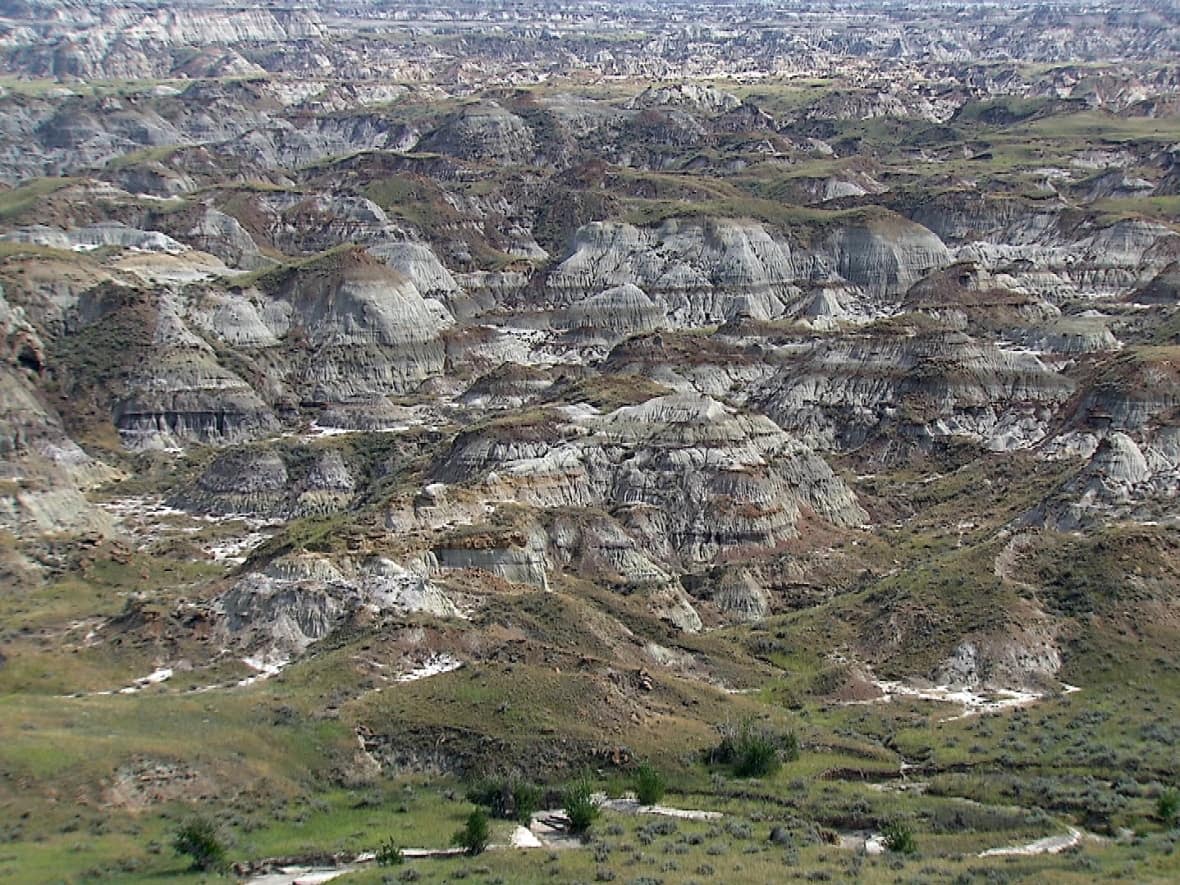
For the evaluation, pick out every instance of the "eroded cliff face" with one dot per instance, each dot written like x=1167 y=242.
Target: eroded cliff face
x=296 y=600
x=46 y=474
x=907 y=389
x=713 y=272
x=411 y=349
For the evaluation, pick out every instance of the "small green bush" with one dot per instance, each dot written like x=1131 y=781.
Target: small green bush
x=579 y=806
x=753 y=751
x=473 y=838
x=389 y=854
x=526 y=797
x=1167 y=807
x=198 y=839
x=650 y=785
x=899 y=838
x=509 y=799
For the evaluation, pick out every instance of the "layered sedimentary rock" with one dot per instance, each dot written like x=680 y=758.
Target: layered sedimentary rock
x=916 y=387
x=619 y=311
x=484 y=131
x=1125 y=424
x=185 y=396
x=366 y=330
x=302 y=597
x=1062 y=263
x=723 y=269
x=43 y=472
x=698 y=273
x=686 y=476
x=884 y=256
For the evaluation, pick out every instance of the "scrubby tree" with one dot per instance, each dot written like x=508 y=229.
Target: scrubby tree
x=197 y=838
x=650 y=785
x=389 y=854
x=899 y=838
x=753 y=750
x=580 y=806
x=1167 y=807
x=473 y=838
x=510 y=799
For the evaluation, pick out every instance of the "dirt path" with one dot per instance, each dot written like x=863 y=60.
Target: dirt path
x=1048 y=845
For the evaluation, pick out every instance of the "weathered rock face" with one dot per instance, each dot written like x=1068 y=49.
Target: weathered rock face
x=1135 y=392
x=738 y=595
x=516 y=559
x=367 y=331
x=689 y=95
x=252 y=482
x=620 y=311
x=688 y=477
x=968 y=297
x=698 y=273
x=131 y=350
x=599 y=547
x=258 y=483
x=702 y=273
x=1065 y=263
x=844 y=394
x=722 y=366
x=1164 y=288
x=884 y=257
x=1025 y=656
x=509 y=386
x=185 y=396
x=1126 y=425
x=301 y=598
x=223 y=235
x=418 y=263
x=43 y=472
x=484 y=131
x=96 y=236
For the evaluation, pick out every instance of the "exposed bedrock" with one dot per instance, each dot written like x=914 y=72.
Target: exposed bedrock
x=366 y=330
x=843 y=394
x=302 y=597
x=687 y=476
x=271 y=484
x=700 y=273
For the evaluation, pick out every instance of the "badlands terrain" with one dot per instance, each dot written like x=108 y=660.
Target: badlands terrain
x=395 y=396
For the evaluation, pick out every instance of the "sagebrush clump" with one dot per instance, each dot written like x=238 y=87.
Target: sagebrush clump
x=753 y=750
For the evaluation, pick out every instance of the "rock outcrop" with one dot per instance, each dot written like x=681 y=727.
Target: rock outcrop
x=909 y=389
x=301 y=598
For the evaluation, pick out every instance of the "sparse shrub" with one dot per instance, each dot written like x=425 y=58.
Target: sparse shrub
x=899 y=838
x=753 y=751
x=659 y=828
x=527 y=799
x=198 y=839
x=650 y=785
x=1167 y=807
x=738 y=829
x=473 y=838
x=579 y=806
x=389 y=854
x=509 y=799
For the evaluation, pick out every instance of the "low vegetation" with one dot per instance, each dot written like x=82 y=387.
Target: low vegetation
x=650 y=785
x=580 y=807
x=198 y=840
x=474 y=836
x=753 y=750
